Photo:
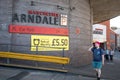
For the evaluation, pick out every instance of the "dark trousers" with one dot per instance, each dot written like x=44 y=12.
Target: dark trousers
x=111 y=57
x=107 y=57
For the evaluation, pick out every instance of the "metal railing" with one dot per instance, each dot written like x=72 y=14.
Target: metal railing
x=9 y=49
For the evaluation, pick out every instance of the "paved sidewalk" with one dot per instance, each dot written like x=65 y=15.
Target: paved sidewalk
x=21 y=74
x=110 y=71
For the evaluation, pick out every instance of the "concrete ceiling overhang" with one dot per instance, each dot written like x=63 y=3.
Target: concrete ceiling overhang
x=104 y=9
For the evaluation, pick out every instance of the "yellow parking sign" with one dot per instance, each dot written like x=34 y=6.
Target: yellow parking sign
x=49 y=43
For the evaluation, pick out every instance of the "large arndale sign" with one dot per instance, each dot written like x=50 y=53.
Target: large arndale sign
x=38 y=17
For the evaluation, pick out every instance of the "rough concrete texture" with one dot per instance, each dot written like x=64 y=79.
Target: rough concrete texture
x=79 y=26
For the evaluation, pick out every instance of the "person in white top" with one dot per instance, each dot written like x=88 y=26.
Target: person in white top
x=107 y=55
x=111 y=53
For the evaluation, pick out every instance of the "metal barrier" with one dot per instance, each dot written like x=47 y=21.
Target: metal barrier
x=36 y=57
x=43 y=58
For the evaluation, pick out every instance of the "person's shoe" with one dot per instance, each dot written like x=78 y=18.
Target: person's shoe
x=98 y=78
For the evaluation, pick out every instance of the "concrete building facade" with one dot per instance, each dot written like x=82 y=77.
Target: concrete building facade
x=21 y=20
x=111 y=36
x=103 y=33
x=118 y=42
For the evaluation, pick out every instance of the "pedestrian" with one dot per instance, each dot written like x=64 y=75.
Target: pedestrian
x=107 y=54
x=98 y=58
x=111 y=53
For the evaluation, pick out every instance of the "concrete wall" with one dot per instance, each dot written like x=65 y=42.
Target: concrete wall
x=79 y=43
x=79 y=25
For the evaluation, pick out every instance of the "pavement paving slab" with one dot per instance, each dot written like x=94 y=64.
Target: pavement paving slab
x=110 y=71
x=7 y=73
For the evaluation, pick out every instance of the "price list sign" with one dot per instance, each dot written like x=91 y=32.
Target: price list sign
x=49 y=43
